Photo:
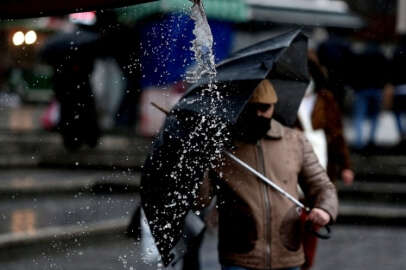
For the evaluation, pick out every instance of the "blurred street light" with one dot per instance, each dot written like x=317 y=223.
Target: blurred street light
x=18 y=38
x=30 y=37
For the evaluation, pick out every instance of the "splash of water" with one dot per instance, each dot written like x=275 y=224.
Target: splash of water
x=203 y=146
x=212 y=129
x=202 y=45
x=209 y=132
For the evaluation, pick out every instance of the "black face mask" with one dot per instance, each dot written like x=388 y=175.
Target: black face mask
x=250 y=127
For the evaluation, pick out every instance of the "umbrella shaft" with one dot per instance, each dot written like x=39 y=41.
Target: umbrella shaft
x=266 y=180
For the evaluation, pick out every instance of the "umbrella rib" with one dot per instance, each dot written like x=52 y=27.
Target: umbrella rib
x=237 y=56
x=162 y=109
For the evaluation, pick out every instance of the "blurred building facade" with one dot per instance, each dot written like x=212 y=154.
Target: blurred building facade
x=163 y=56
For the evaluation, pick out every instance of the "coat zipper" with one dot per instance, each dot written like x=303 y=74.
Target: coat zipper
x=267 y=208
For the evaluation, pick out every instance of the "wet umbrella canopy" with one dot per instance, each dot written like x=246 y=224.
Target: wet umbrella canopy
x=197 y=129
x=282 y=59
x=66 y=46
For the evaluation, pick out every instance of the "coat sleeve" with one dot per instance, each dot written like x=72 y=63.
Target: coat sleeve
x=338 y=149
x=319 y=191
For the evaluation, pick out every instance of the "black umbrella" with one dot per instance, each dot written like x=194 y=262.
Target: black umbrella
x=282 y=59
x=197 y=129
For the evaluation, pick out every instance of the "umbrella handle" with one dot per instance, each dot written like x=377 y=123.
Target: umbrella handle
x=308 y=226
x=326 y=235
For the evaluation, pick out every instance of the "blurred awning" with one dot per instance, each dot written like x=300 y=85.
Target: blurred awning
x=324 y=13
x=225 y=10
x=373 y=8
x=381 y=17
x=13 y=9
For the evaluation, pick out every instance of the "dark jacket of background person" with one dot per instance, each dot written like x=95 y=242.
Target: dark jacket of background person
x=368 y=70
x=398 y=64
x=368 y=76
x=78 y=117
x=335 y=55
x=251 y=213
x=398 y=78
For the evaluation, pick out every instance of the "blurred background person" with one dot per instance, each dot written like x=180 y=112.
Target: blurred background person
x=8 y=94
x=334 y=55
x=78 y=119
x=120 y=51
x=319 y=112
x=398 y=80
x=72 y=55
x=368 y=75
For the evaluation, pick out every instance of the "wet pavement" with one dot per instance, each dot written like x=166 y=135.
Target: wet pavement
x=11 y=176
x=31 y=214
x=363 y=247
x=27 y=177
x=32 y=200
x=74 y=212
x=108 y=252
x=352 y=247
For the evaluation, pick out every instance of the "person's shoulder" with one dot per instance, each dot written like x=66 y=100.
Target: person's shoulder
x=294 y=138
x=292 y=132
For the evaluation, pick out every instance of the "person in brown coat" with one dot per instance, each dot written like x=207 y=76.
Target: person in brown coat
x=255 y=221
x=325 y=115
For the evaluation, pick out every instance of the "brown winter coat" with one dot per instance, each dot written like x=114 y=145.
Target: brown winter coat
x=326 y=115
x=251 y=213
